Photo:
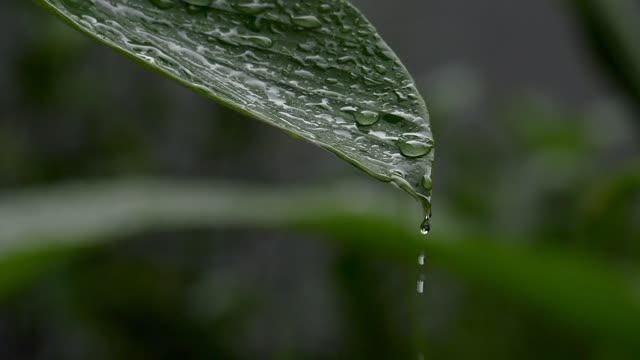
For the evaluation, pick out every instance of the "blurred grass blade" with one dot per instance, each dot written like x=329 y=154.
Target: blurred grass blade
x=579 y=292
x=316 y=69
x=613 y=28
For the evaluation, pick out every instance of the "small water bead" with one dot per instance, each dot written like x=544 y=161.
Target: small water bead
x=401 y=96
x=198 y=2
x=380 y=68
x=331 y=81
x=384 y=54
x=163 y=4
x=305 y=74
x=347 y=59
x=195 y=9
x=259 y=40
x=306 y=21
x=308 y=46
x=325 y=8
x=252 y=8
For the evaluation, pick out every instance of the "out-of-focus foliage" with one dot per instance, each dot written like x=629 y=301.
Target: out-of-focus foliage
x=533 y=254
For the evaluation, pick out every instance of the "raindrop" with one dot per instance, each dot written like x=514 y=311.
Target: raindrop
x=414 y=146
x=366 y=117
x=420 y=286
x=306 y=21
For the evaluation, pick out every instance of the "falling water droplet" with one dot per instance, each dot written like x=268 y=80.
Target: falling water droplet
x=421 y=258
x=306 y=21
x=420 y=285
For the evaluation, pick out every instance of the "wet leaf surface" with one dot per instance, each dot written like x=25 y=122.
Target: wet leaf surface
x=316 y=69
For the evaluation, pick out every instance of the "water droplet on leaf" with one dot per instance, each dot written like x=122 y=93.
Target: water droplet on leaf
x=306 y=21
x=163 y=4
x=252 y=8
x=198 y=2
x=260 y=40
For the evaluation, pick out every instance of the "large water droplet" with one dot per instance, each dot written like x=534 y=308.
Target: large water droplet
x=414 y=145
x=306 y=21
x=366 y=117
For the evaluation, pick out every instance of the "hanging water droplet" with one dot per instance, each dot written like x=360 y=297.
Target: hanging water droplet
x=425 y=227
x=252 y=8
x=163 y=4
x=306 y=21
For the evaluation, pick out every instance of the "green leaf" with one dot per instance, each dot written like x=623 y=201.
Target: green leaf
x=316 y=69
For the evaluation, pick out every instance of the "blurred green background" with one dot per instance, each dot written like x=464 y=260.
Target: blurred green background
x=139 y=220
